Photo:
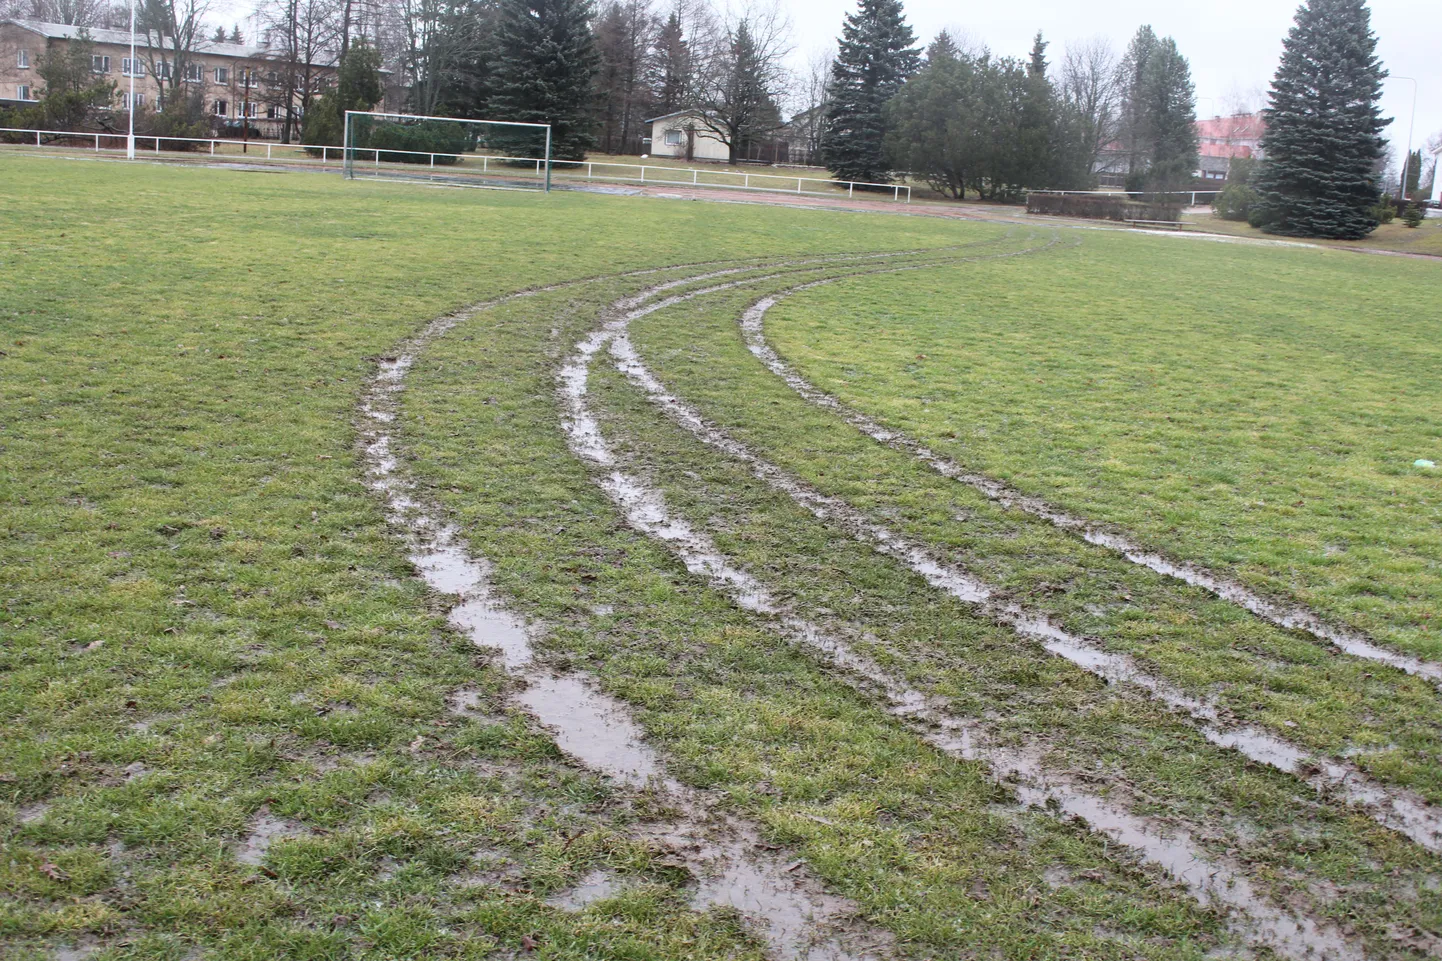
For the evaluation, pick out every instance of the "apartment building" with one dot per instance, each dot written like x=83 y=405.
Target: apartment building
x=237 y=81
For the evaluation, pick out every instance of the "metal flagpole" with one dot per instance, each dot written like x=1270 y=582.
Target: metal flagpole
x=130 y=137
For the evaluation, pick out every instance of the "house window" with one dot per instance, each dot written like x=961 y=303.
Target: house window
x=272 y=77
x=272 y=112
x=673 y=137
x=99 y=64
x=248 y=108
x=131 y=68
x=125 y=101
x=194 y=72
x=244 y=77
x=22 y=92
x=222 y=75
x=163 y=69
x=22 y=59
x=220 y=108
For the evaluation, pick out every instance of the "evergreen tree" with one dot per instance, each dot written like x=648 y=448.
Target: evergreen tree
x=1131 y=78
x=1037 y=132
x=670 y=69
x=235 y=35
x=1323 y=142
x=1169 y=112
x=1413 y=173
x=877 y=55
x=219 y=36
x=544 y=74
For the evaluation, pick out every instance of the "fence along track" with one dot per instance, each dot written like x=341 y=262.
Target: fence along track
x=1396 y=808
x=1286 y=615
x=1211 y=881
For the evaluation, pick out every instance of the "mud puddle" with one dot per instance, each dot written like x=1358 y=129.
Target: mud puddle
x=794 y=915
x=1210 y=881
x=1398 y=809
x=1288 y=616
x=265 y=830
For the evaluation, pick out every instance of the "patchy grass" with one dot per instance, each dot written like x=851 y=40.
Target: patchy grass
x=1396 y=236
x=208 y=632
x=1257 y=410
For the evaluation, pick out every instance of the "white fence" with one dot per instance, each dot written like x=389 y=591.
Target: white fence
x=600 y=170
x=1193 y=194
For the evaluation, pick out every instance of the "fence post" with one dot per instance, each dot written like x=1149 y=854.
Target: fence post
x=643 y=173
x=588 y=170
x=485 y=164
x=850 y=187
x=212 y=148
x=693 y=177
x=37 y=138
x=896 y=192
x=798 y=185
x=747 y=181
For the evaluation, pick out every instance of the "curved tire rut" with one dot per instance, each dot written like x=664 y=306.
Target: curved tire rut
x=1211 y=881
x=1289 y=615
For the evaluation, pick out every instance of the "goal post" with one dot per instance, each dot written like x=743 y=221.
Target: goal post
x=499 y=154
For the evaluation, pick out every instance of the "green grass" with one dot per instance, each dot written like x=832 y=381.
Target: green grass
x=197 y=581
x=1255 y=410
x=206 y=621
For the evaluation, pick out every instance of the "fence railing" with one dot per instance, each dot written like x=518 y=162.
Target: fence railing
x=603 y=170
x=1193 y=194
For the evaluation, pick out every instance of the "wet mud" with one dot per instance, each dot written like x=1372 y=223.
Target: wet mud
x=1211 y=881
x=1401 y=810
x=790 y=910
x=1280 y=613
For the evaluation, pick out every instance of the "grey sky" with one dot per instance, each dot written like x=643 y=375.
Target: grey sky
x=1233 y=45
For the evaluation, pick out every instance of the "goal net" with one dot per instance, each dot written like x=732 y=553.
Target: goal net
x=477 y=153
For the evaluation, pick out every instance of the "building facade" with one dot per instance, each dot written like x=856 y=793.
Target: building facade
x=236 y=82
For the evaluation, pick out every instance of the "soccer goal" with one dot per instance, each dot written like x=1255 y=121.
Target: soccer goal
x=446 y=150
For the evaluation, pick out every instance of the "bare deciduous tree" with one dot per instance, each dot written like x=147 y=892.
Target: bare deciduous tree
x=743 y=76
x=302 y=36
x=1089 y=88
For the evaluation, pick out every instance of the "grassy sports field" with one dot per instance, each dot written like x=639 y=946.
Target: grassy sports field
x=239 y=717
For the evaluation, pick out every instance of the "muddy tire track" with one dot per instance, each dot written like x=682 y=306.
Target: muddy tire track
x=1285 y=614
x=1399 y=809
x=734 y=866
x=1211 y=881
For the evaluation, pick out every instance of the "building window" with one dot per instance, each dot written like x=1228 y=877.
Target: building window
x=22 y=92
x=673 y=137
x=22 y=59
x=246 y=77
x=99 y=64
x=272 y=77
x=131 y=68
x=249 y=108
x=125 y=101
x=222 y=75
x=220 y=108
x=194 y=72
x=272 y=112
x=163 y=70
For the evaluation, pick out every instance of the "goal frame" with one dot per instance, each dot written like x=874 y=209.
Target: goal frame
x=347 y=151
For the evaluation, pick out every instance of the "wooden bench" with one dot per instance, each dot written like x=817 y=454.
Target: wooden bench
x=1173 y=224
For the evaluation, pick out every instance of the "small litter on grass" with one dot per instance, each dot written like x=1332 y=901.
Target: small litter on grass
x=1420 y=462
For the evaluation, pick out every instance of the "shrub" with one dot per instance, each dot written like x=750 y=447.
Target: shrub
x=1235 y=202
x=1101 y=207
x=1413 y=216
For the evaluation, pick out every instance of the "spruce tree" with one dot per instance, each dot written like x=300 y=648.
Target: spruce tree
x=877 y=55
x=1170 y=118
x=1323 y=142
x=544 y=74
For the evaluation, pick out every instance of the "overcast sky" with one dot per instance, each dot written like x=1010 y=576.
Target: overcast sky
x=1233 y=45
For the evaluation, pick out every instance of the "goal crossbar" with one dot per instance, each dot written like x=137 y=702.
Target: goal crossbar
x=384 y=156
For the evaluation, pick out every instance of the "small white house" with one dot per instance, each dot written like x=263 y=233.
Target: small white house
x=684 y=135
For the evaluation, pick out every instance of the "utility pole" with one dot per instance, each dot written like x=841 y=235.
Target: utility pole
x=130 y=135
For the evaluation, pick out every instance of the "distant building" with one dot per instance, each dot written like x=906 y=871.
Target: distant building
x=686 y=135
x=1218 y=141
x=237 y=81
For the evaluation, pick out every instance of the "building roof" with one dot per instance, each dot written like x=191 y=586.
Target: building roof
x=1241 y=128
x=1213 y=165
x=684 y=112
x=65 y=31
